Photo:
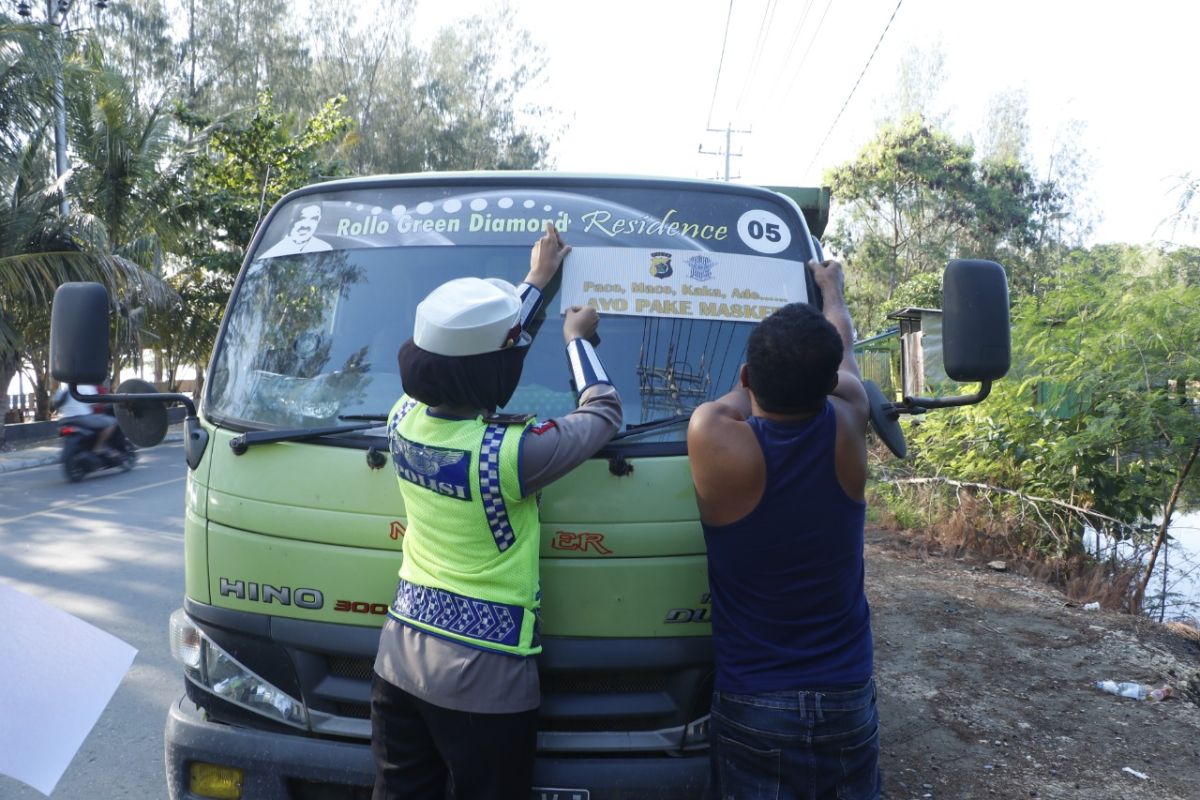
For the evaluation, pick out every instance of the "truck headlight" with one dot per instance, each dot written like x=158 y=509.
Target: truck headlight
x=207 y=665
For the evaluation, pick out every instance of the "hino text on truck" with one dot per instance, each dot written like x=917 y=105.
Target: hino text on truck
x=294 y=526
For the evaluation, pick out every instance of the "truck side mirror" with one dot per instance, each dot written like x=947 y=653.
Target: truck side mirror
x=976 y=343
x=970 y=338
x=79 y=354
x=79 y=333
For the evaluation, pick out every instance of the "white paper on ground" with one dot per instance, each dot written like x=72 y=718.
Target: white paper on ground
x=57 y=673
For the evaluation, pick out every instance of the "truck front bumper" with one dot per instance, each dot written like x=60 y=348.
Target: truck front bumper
x=277 y=766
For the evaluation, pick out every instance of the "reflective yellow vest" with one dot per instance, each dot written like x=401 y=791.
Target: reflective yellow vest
x=470 y=569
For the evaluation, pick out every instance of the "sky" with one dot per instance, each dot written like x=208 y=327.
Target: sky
x=635 y=86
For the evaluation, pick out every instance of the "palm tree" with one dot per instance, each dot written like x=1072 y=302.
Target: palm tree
x=130 y=172
x=27 y=68
x=39 y=249
x=129 y=166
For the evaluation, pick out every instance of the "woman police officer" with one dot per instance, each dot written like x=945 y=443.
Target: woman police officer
x=455 y=694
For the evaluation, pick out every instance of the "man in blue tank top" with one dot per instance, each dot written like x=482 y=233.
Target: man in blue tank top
x=780 y=469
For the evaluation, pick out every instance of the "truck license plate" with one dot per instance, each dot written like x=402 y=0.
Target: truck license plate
x=559 y=794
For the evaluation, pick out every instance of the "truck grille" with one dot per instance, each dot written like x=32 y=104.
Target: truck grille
x=640 y=700
x=357 y=669
x=603 y=682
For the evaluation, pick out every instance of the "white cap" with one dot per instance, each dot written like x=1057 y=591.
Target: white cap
x=467 y=316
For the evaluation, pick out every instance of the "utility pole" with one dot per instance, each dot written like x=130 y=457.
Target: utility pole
x=60 y=101
x=56 y=15
x=728 y=130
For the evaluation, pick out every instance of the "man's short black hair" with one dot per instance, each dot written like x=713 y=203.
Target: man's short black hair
x=792 y=358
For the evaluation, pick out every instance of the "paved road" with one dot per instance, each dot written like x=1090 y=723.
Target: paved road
x=110 y=551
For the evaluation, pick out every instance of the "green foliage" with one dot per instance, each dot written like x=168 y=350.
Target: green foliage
x=1101 y=408
x=184 y=331
x=915 y=198
x=457 y=104
x=468 y=104
x=905 y=510
x=908 y=193
x=247 y=165
x=920 y=291
x=180 y=194
x=27 y=66
x=234 y=48
x=128 y=166
x=136 y=34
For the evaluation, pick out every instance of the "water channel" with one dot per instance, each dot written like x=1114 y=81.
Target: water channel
x=1182 y=561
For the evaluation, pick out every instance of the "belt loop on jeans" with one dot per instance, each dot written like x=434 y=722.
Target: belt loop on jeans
x=818 y=712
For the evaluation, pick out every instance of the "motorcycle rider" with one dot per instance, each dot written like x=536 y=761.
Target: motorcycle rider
x=84 y=415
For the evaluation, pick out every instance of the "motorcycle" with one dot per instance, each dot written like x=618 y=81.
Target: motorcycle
x=79 y=459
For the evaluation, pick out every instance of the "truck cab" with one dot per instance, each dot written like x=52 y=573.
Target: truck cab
x=294 y=525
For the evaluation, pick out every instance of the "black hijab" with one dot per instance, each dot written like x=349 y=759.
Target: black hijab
x=485 y=381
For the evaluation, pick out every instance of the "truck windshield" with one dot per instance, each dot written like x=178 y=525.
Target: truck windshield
x=317 y=320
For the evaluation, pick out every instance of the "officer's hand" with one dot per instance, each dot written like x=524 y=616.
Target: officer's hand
x=829 y=278
x=581 y=322
x=547 y=256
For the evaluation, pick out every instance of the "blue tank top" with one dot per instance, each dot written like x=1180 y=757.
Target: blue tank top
x=789 y=610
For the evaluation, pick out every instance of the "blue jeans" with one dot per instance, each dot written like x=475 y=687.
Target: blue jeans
x=799 y=745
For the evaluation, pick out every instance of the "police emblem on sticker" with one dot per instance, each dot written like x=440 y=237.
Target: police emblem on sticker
x=660 y=265
x=700 y=268
x=437 y=469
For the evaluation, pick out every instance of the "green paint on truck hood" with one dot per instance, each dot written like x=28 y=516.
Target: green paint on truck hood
x=309 y=531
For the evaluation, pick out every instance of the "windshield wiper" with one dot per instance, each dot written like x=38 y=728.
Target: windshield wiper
x=653 y=425
x=367 y=417
x=240 y=444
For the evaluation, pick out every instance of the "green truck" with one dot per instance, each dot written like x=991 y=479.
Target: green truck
x=294 y=525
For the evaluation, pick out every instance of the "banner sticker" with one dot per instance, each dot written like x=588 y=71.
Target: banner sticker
x=687 y=284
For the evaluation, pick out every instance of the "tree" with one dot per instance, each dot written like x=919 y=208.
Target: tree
x=136 y=39
x=235 y=48
x=915 y=197
x=39 y=249
x=27 y=68
x=919 y=83
x=1097 y=425
x=127 y=180
x=456 y=106
x=1005 y=137
x=910 y=199
x=246 y=164
x=185 y=330
x=1185 y=214
x=470 y=103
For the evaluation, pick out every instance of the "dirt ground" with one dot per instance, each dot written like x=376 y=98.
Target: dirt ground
x=986 y=687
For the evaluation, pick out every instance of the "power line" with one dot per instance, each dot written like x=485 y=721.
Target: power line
x=807 y=50
x=853 y=88
x=800 y=27
x=759 y=45
x=720 y=65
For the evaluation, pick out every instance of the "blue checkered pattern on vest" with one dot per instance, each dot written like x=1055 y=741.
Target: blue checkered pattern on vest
x=458 y=614
x=406 y=407
x=489 y=488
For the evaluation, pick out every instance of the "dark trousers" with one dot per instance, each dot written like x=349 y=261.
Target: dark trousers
x=426 y=752
x=802 y=745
